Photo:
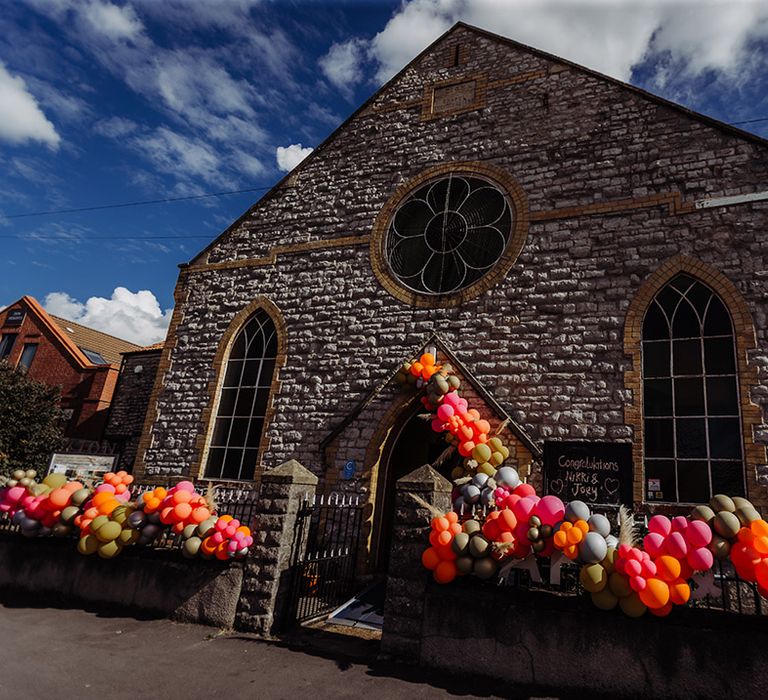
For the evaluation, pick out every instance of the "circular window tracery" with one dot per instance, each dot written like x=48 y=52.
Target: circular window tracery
x=447 y=234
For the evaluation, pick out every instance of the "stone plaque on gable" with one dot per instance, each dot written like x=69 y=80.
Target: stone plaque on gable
x=451 y=98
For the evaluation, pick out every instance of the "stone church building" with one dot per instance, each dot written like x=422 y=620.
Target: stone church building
x=590 y=258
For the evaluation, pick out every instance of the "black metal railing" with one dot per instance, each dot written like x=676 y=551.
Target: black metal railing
x=326 y=540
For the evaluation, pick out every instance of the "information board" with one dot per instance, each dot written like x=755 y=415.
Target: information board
x=593 y=472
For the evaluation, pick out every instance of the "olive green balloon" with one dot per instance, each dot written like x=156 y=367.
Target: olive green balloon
x=206 y=527
x=605 y=600
x=534 y=521
x=726 y=524
x=129 y=536
x=120 y=514
x=98 y=522
x=632 y=605
x=55 y=481
x=60 y=530
x=619 y=585
x=746 y=514
x=88 y=545
x=741 y=502
x=610 y=560
x=39 y=489
x=720 y=547
x=465 y=564
x=454 y=381
x=460 y=543
x=107 y=550
x=80 y=496
x=471 y=527
x=191 y=547
x=189 y=531
x=593 y=578
x=479 y=547
x=722 y=502
x=19 y=474
x=69 y=514
x=704 y=513
x=485 y=568
x=538 y=546
x=30 y=473
x=545 y=531
x=109 y=531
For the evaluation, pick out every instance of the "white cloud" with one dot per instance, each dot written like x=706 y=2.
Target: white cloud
x=610 y=36
x=115 y=127
x=113 y=21
x=21 y=118
x=288 y=157
x=136 y=317
x=179 y=155
x=342 y=65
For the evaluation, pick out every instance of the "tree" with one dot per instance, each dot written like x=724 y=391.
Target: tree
x=30 y=421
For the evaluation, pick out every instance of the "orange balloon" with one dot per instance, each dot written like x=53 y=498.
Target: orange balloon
x=566 y=526
x=416 y=368
x=108 y=507
x=244 y=530
x=583 y=525
x=667 y=568
x=759 y=528
x=571 y=551
x=560 y=539
x=452 y=517
x=445 y=572
x=445 y=552
x=59 y=497
x=761 y=544
x=181 y=497
x=662 y=611
x=102 y=497
x=507 y=520
x=761 y=573
x=656 y=594
x=207 y=546
x=745 y=535
x=574 y=536
x=225 y=518
x=200 y=514
x=166 y=515
x=473 y=414
x=430 y=559
x=445 y=537
x=455 y=529
x=679 y=592
x=427 y=359
x=182 y=511
x=441 y=524
x=221 y=551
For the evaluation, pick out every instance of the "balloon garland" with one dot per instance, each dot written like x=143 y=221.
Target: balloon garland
x=653 y=575
x=107 y=519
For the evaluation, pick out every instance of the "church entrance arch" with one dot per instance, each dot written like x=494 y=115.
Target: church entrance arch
x=410 y=444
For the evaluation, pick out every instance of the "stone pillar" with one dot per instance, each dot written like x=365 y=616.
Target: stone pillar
x=266 y=580
x=407 y=579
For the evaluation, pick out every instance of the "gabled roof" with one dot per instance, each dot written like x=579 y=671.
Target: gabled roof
x=156 y=347
x=70 y=335
x=108 y=346
x=697 y=116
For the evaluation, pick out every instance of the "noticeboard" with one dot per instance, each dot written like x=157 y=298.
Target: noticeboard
x=15 y=317
x=593 y=472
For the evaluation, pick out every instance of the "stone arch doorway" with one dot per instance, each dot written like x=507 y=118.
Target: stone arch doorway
x=411 y=443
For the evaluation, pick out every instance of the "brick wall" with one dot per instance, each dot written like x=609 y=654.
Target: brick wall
x=130 y=403
x=608 y=178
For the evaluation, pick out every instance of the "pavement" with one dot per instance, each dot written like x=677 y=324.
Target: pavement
x=58 y=653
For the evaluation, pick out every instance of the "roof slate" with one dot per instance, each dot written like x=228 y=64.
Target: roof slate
x=109 y=347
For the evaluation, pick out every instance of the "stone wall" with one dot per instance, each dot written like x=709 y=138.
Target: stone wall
x=610 y=178
x=130 y=402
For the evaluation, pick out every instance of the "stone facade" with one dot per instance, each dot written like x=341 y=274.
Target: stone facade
x=607 y=181
x=129 y=404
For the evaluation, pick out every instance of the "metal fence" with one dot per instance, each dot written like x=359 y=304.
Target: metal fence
x=326 y=540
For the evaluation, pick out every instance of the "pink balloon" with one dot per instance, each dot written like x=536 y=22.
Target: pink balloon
x=676 y=546
x=550 y=509
x=523 y=508
x=654 y=544
x=624 y=550
x=700 y=559
x=462 y=406
x=648 y=568
x=104 y=487
x=437 y=425
x=217 y=537
x=679 y=524
x=15 y=493
x=445 y=412
x=698 y=534
x=451 y=399
x=660 y=524
x=185 y=486
x=637 y=583
x=633 y=568
x=525 y=490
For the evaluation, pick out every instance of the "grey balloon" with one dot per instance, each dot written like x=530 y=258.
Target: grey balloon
x=471 y=493
x=480 y=480
x=593 y=548
x=577 y=510
x=137 y=519
x=599 y=524
x=507 y=476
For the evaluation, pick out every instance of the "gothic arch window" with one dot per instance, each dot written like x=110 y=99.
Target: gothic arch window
x=243 y=400
x=693 y=444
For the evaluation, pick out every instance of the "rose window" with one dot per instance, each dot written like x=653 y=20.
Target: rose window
x=447 y=234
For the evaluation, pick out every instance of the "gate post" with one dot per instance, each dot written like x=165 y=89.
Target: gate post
x=407 y=578
x=265 y=594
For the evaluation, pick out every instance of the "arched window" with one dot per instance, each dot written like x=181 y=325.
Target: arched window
x=237 y=430
x=691 y=412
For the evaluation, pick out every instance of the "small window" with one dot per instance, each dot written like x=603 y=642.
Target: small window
x=94 y=357
x=27 y=355
x=6 y=345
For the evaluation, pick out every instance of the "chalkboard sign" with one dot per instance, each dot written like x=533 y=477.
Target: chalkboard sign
x=15 y=317
x=593 y=472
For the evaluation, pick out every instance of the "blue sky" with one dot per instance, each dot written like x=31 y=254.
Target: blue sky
x=109 y=102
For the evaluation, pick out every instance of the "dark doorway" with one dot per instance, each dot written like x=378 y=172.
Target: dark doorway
x=409 y=447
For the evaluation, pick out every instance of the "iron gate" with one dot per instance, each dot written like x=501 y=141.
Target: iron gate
x=324 y=557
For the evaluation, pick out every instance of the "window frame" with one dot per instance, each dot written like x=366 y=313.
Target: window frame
x=673 y=376
x=21 y=365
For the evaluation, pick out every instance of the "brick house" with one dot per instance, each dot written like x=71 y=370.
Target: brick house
x=83 y=362
x=590 y=257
